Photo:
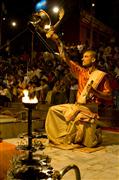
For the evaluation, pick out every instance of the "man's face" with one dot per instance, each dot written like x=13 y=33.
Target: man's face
x=87 y=59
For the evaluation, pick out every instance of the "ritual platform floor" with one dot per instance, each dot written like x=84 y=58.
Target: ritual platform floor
x=101 y=163
x=94 y=163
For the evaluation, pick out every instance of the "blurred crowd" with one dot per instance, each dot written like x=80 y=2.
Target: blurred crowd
x=48 y=77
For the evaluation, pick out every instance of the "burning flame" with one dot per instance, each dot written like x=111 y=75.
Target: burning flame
x=26 y=99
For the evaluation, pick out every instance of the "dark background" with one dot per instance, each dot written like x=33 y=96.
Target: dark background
x=21 y=11
x=106 y=11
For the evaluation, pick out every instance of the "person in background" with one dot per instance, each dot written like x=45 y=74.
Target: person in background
x=73 y=90
x=5 y=95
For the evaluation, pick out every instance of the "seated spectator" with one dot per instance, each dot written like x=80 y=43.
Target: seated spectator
x=59 y=95
x=73 y=91
x=116 y=70
x=42 y=90
x=5 y=95
x=20 y=87
x=51 y=79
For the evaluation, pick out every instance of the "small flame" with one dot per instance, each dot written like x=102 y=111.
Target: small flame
x=26 y=99
x=47 y=27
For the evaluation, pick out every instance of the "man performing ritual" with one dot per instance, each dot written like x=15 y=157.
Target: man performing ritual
x=72 y=125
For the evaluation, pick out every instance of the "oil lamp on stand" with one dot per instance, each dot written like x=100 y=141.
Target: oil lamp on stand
x=31 y=166
x=27 y=165
x=30 y=104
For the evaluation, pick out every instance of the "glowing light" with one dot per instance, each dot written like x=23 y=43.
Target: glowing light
x=46 y=27
x=41 y=5
x=26 y=99
x=55 y=9
x=3 y=18
x=93 y=4
x=14 y=24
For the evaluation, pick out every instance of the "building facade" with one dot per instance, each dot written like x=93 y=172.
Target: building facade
x=86 y=28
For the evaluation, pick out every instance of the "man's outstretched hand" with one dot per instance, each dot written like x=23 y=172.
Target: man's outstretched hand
x=61 y=13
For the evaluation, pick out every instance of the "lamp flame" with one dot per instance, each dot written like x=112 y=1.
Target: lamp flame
x=26 y=99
